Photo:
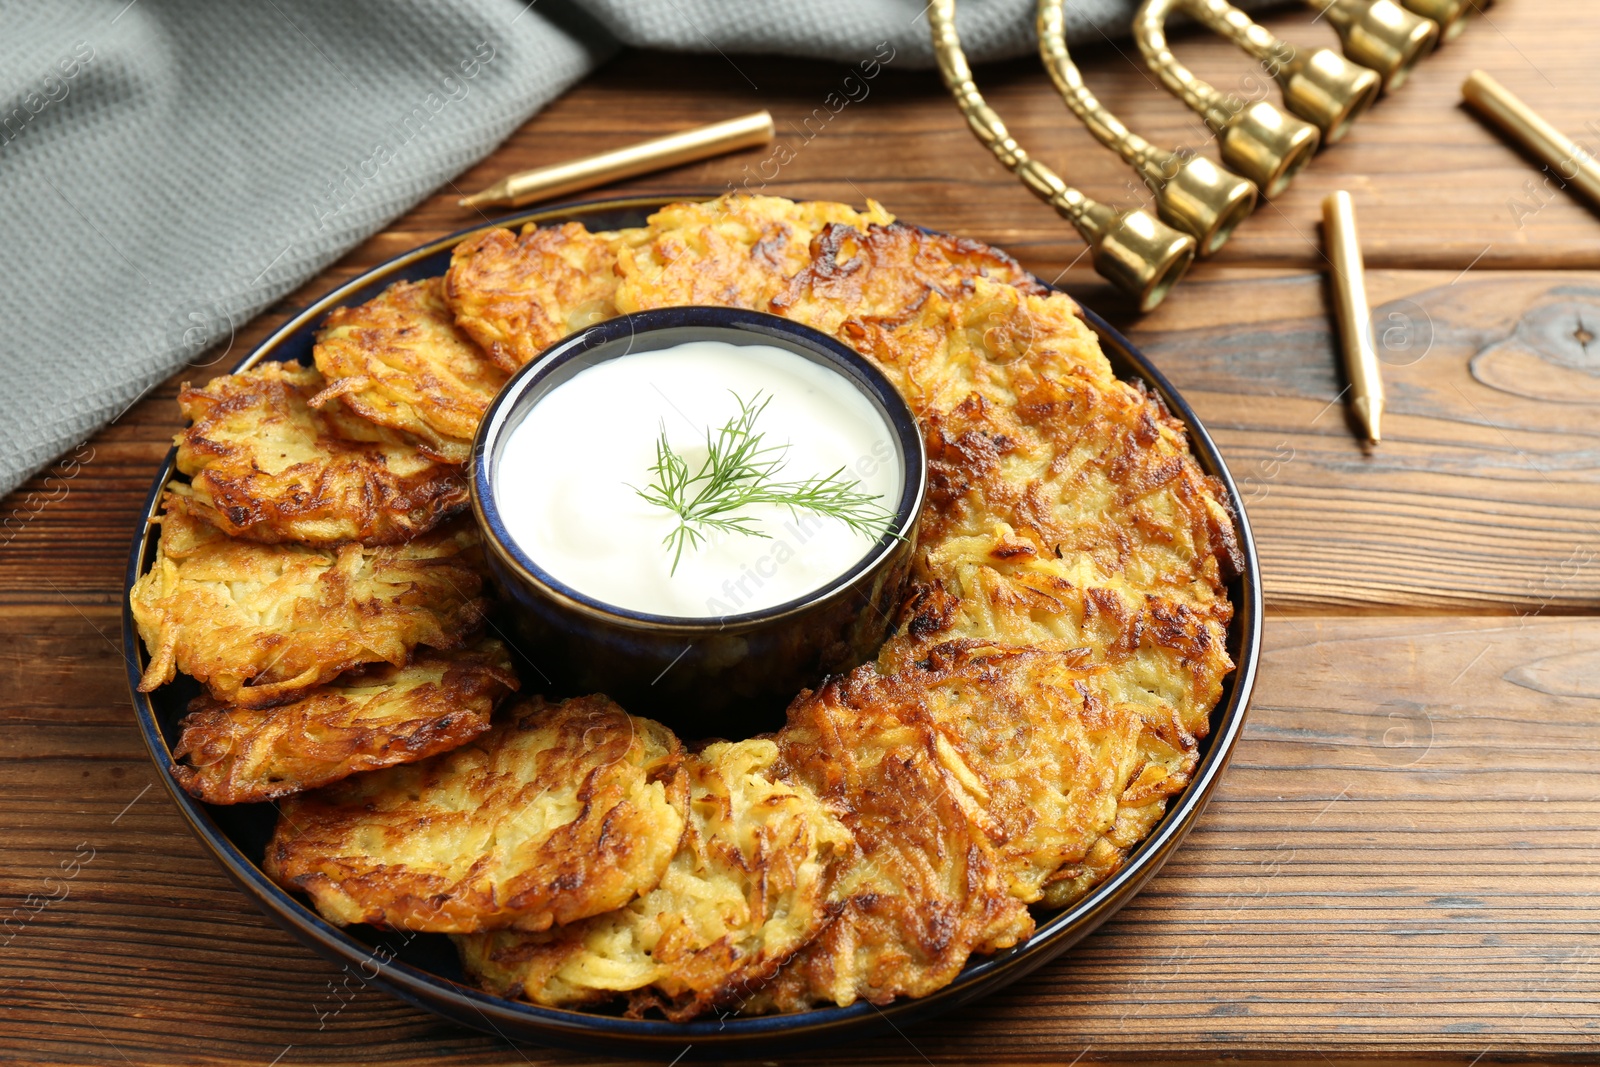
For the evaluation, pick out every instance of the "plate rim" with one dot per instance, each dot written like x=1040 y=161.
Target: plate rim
x=715 y=1036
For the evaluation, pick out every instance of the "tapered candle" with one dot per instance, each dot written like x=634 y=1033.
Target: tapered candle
x=1355 y=317
x=702 y=142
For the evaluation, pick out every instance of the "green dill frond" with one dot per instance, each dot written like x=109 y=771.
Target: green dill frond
x=741 y=470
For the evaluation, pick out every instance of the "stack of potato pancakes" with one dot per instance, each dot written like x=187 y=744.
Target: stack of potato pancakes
x=1053 y=665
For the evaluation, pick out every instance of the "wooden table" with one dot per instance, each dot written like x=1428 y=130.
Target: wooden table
x=1403 y=861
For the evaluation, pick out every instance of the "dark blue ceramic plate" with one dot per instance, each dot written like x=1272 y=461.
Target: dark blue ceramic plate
x=422 y=968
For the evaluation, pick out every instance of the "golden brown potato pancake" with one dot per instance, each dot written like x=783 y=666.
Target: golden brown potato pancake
x=923 y=887
x=518 y=295
x=399 y=361
x=736 y=251
x=266 y=466
x=1041 y=774
x=1064 y=511
x=260 y=624
x=883 y=273
x=364 y=719
x=746 y=889
x=1041 y=754
x=1027 y=425
x=559 y=812
x=1064 y=514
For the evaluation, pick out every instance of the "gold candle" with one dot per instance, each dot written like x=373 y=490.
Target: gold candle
x=1355 y=317
x=702 y=142
x=1571 y=162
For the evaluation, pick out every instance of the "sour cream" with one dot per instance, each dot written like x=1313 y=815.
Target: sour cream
x=567 y=479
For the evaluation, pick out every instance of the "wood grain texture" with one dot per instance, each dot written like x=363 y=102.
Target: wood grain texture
x=1485 y=494
x=1403 y=862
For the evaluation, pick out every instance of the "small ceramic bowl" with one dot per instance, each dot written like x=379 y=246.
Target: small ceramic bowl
x=728 y=676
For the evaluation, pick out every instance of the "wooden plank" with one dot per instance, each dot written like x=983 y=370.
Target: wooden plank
x=1405 y=854
x=1484 y=498
x=1485 y=493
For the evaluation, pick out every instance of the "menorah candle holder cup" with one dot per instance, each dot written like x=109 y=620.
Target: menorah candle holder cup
x=1132 y=249
x=1192 y=194
x=1257 y=139
x=1137 y=252
x=1380 y=35
x=1263 y=140
x=1205 y=201
x=1449 y=15
x=1319 y=85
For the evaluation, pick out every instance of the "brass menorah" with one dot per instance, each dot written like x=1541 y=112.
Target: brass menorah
x=1137 y=252
x=1192 y=193
x=1319 y=85
x=1380 y=35
x=1255 y=138
x=1262 y=146
x=1449 y=15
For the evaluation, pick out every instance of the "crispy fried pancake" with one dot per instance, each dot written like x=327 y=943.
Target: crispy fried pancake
x=1152 y=649
x=264 y=465
x=1064 y=513
x=260 y=624
x=923 y=888
x=363 y=720
x=518 y=295
x=1041 y=755
x=883 y=274
x=1026 y=424
x=399 y=361
x=559 y=812
x=746 y=888
x=1041 y=775
x=736 y=251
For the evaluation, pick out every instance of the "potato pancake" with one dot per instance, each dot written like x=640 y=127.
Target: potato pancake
x=1027 y=425
x=260 y=624
x=1065 y=513
x=923 y=888
x=518 y=295
x=1041 y=754
x=559 y=812
x=737 y=251
x=266 y=466
x=745 y=890
x=399 y=361
x=362 y=720
x=884 y=273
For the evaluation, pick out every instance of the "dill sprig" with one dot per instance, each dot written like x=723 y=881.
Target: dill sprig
x=740 y=470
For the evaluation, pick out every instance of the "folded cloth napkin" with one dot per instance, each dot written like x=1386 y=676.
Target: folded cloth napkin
x=168 y=168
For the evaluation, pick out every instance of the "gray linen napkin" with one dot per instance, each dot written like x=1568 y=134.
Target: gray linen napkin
x=168 y=168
